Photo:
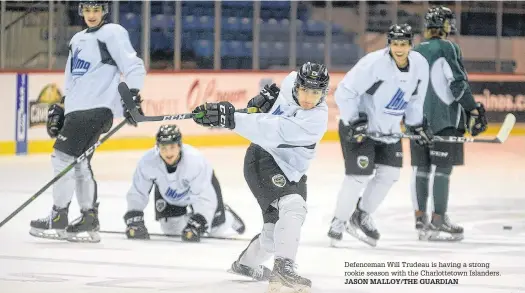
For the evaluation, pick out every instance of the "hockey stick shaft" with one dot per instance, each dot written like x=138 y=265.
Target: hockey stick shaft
x=127 y=98
x=82 y=157
x=501 y=137
x=436 y=138
x=178 y=236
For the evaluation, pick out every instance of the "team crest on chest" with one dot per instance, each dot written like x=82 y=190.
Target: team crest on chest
x=397 y=104
x=174 y=194
x=279 y=180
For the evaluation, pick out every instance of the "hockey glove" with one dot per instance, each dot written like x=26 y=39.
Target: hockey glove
x=215 y=114
x=194 y=229
x=136 y=228
x=55 y=120
x=265 y=99
x=138 y=101
x=477 y=123
x=423 y=131
x=356 y=131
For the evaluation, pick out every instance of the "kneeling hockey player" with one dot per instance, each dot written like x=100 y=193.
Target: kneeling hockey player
x=188 y=199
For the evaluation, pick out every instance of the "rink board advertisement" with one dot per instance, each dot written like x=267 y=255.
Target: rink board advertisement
x=501 y=98
x=176 y=93
x=21 y=115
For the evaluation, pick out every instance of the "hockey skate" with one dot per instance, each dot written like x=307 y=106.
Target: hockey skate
x=238 y=224
x=260 y=273
x=85 y=228
x=422 y=227
x=52 y=226
x=336 y=231
x=362 y=227
x=284 y=275
x=441 y=229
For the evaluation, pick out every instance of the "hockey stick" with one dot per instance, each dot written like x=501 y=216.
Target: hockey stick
x=501 y=137
x=63 y=172
x=130 y=105
x=178 y=236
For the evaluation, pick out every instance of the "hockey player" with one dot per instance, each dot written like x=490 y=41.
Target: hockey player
x=372 y=99
x=188 y=198
x=98 y=56
x=451 y=110
x=284 y=136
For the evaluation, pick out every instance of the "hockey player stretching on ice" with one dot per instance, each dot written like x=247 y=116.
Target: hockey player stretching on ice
x=284 y=139
x=447 y=99
x=373 y=97
x=97 y=57
x=183 y=179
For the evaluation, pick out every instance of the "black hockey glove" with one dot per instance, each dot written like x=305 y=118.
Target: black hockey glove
x=477 y=123
x=55 y=120
x=356 y=131
x=194 y=229
x=215 y=114
x=136 y=228
x=423 y=131
x=138 y=101
x=265 y=99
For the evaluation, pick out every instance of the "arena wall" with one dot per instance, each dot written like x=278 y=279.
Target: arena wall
x=26 y=96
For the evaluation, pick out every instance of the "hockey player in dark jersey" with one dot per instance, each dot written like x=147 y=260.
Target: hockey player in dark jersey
x=451 y=110
x=98 y=56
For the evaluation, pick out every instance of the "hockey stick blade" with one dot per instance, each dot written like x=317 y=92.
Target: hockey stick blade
x=127 y=98
x=178 y=236
x=506 y=128
x=129 y=104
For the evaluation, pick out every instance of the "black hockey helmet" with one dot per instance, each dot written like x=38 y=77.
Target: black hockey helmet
x=103 y=4
x=435 y=18
x=449 y=16
x=312 y=76
x=400 y=32
x=169 y=134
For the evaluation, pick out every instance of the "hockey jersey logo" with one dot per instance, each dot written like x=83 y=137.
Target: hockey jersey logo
x=79 y=66
x=397 y=104
x=278 y=111
x=172 y=194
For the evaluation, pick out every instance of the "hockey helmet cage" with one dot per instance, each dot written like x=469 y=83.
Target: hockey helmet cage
x=400 y=32
x=169 y=134
x=103 y=4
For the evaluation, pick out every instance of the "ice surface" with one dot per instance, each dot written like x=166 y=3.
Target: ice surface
x=485 y=195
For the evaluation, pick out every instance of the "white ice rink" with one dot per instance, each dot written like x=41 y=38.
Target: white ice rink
x=485 y=195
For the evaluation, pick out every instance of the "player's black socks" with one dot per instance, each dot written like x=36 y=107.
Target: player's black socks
x=441 y=188
x=422 y=178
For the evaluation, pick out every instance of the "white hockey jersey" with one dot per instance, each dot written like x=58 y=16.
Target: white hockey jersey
x=190 y=184
x=96 y=60
x=288 y=132
x=376 y=86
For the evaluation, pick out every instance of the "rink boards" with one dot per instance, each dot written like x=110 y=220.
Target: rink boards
x=27 y=96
